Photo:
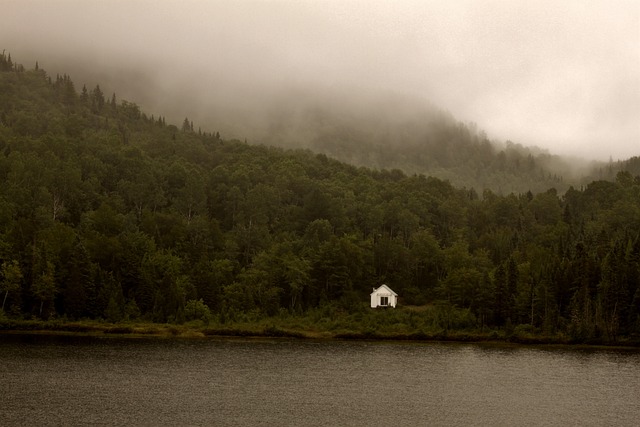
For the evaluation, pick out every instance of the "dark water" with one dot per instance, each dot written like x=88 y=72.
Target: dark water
x=53 y=380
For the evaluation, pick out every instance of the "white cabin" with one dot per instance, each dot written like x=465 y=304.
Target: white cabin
x=383 y=297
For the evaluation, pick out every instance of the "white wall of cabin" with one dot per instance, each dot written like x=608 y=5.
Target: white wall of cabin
x=375 y=298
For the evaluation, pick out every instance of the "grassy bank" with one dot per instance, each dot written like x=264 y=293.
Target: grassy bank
x=406 y=324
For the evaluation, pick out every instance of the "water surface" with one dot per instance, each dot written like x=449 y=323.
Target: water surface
x=62 y=380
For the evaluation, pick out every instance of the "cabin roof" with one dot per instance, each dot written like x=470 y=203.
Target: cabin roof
x=384 y=288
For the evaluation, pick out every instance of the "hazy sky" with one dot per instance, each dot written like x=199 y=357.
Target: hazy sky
x=564 y=75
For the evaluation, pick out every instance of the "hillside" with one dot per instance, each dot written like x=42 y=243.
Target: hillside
x=387 y=131
x=109 y=212
x=392 y=132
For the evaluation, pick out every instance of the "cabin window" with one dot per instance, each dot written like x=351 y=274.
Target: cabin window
x=384 y=300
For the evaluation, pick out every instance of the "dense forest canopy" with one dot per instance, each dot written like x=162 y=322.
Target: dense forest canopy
x=108 y=212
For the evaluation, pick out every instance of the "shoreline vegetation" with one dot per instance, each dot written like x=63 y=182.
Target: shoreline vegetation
x=345 y=327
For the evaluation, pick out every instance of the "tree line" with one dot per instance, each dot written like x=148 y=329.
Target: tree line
x=109 y=213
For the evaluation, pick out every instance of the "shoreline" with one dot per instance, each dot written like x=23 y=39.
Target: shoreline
x=150 y=330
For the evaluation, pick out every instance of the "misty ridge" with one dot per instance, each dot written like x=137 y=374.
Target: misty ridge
x=364 y=126
x=561 y=76
x=358 y=123
x=462 y=91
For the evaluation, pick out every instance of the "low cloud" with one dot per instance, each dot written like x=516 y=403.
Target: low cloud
x=561 y=75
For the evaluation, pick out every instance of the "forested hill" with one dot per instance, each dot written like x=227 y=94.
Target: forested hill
x=388 y=131
x=108 y=212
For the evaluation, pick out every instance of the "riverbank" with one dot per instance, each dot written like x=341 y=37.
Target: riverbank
x=271 y=329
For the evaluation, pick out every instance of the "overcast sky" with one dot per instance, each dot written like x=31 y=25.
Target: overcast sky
x=563 y=75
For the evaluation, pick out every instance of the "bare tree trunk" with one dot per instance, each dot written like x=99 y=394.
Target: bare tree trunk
x=532 y=303
x=58 y=205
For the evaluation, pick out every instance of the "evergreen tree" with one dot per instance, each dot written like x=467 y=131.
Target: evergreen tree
x=186 y=125
x=84 y=96
x=97 y=99
x=501 y=300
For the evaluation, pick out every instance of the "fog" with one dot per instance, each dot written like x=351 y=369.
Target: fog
x=560 y=75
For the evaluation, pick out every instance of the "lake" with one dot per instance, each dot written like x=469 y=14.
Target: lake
x=77 y=380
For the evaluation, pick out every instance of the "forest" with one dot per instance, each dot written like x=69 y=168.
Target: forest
x=109 y=213
x=384 y=131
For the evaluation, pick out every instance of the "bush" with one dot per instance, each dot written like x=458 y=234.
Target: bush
x=113 y=313
x=197 y=310
x=131 y=310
